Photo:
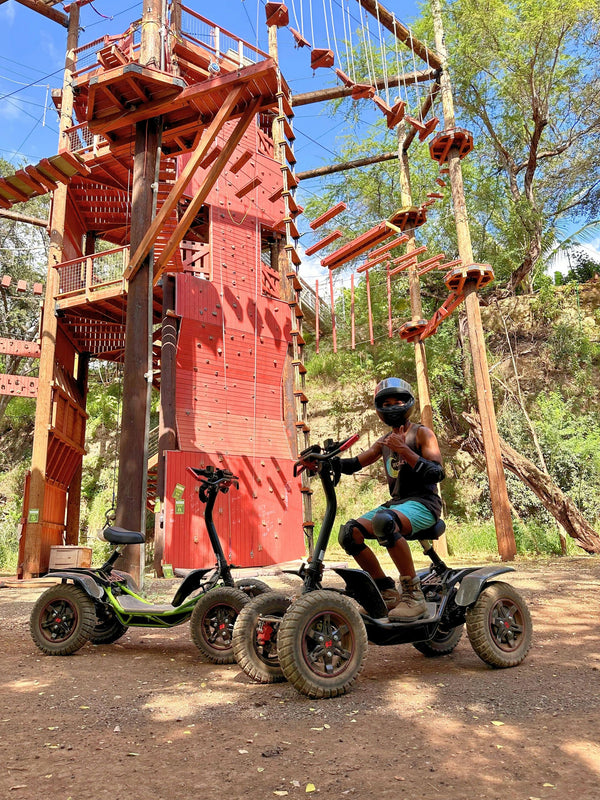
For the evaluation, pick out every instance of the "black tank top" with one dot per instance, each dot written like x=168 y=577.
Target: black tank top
x=406 y=484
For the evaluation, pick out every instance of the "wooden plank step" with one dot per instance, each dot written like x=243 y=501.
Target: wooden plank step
x=329 y=214
x=327 y=240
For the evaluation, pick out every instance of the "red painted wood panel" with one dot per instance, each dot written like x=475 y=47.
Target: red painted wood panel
x=260 y=166
x=232 y=349
x=258 y=525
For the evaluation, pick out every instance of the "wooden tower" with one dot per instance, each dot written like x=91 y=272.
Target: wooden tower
x=223 y=311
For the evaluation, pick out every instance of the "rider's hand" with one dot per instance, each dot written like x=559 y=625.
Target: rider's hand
x=396 y=441
x=308 y=464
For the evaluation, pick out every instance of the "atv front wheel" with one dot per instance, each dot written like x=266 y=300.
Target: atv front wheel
x=322 y=643
x=62 y=620
x=212 y=622
x=499 y=626
x=252 y=586
x=255 y=637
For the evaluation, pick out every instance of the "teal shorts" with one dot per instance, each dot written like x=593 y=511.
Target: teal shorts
x=420 y=517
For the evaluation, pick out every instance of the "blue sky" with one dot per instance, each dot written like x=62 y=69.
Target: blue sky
x=32 y=51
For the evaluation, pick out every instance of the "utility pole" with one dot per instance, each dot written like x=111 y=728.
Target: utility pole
x=483 y=388
x=137 y=366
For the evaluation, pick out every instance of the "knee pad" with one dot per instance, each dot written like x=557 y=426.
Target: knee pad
x=346 y=538
x=386 y=527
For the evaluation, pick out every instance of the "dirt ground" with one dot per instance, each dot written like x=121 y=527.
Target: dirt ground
x=147 y=718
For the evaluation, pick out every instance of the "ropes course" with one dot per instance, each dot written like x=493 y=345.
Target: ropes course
x=369 y=68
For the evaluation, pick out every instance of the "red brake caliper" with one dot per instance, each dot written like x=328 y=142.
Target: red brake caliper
x=264 y=634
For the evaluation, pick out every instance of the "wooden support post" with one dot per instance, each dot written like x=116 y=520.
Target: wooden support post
x=74 y=498
x=416 y=307
x=317 y=312
x=133 y=448
x=175 y=25
x=331 y=295
x=34 y=560
x=167 y=423
x=498 y=492
x=352 y=315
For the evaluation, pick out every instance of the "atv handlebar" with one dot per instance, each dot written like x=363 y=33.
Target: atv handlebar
x=314 y=455
x=212 y=477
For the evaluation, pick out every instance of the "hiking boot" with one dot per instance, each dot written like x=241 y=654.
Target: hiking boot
x=412 y=603
x=390 y=595
x=391 y=598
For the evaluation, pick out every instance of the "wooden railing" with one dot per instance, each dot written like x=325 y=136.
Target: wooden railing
x=308 y=304
x=87 y=274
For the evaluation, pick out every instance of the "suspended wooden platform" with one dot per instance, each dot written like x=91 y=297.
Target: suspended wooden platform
x=115 y=102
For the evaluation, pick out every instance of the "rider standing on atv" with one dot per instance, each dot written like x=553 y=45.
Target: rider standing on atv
x=413 y=466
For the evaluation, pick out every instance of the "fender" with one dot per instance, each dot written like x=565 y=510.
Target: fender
x=361 y=586
x=87 y=583
x=190 y=583
x=472 y=584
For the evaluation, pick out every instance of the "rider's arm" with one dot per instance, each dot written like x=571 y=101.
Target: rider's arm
x=429 y=463
x=348 y=466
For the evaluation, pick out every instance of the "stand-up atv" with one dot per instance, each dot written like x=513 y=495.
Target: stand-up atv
x=318 y=641
x=99 y=605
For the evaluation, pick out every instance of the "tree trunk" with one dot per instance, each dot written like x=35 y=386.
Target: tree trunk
x=562 y=508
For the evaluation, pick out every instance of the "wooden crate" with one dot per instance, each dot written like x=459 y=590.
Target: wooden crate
x=66 y=556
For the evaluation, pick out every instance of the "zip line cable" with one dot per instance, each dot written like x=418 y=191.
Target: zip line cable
x=33 y=83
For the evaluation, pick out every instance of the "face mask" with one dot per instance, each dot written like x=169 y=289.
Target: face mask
x=394 y=416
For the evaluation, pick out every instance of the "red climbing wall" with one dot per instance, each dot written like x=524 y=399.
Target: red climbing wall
x=233 y=344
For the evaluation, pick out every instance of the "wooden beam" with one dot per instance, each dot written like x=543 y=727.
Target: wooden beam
x=402 y=33
x=46 y=11
x=208 y=137
x=331 y=168
x=42 y=223
x=335 y=92
x=137 y=357
x=209 y=181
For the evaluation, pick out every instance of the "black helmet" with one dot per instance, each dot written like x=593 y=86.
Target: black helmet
x=396 y=415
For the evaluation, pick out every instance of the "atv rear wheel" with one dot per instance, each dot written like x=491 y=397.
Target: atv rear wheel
x=255 y=637
x=499 y=626
x=322 y=643
x=62 y=620
x=212 y=622
x=108 y=627
x=444 y=642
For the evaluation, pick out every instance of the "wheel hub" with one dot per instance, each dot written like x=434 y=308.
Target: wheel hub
x=506 y=625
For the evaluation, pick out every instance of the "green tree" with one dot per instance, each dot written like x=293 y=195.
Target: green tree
x=526 y=80
x=23 y=256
